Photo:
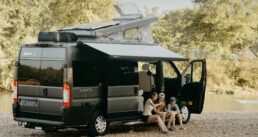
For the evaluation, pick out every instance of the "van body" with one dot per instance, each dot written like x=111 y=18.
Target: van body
x=67 y=85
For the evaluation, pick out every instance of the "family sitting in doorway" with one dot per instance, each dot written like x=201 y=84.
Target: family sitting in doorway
x=155 y=111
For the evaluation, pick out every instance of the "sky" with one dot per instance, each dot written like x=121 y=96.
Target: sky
x=163 y=5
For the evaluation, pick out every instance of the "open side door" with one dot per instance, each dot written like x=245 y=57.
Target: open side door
x=193 y=85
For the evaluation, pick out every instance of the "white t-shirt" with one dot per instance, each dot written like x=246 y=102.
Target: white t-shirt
x=148 y=108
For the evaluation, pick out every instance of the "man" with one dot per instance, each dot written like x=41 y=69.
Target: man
x=173 y=107
x=163 y=112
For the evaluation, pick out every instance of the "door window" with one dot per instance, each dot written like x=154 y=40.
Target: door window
x=197 y=71
x=168 y=71
x=193 y=72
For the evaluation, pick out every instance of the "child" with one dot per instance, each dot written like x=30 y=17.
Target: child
x=173 y=107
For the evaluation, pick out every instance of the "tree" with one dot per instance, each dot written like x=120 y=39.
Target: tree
x=215 y=29
x=20 y=21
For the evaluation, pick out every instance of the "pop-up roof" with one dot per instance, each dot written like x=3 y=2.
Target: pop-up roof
x=136 y=52
x=131 y=25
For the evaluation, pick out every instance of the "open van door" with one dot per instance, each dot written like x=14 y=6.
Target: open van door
x=193 y=85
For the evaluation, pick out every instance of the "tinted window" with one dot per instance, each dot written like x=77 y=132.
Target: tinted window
x=51 y=73
x=88 y=73
x=31 y=53
x=169 y=71
x=28 y=72
x=123 y=73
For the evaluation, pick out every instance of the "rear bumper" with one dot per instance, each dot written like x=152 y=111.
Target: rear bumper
x=69 y=117
x=39 y=121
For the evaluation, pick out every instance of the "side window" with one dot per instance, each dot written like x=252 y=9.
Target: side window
x=197 y=71
x=123 y=73
x=133 y=34
x=168 y=71
x=193 y=73
x=86 y=74
x=187 y=76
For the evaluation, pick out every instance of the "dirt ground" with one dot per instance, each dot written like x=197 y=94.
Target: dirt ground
x=229 y=124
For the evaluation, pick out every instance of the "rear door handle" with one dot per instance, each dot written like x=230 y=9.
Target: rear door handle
x=45 y=91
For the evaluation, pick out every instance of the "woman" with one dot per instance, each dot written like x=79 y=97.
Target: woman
x=163 y=112
x=147 y=114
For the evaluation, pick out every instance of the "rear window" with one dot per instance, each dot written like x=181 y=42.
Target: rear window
x=51 y=73
x=28 y=72
x=41 y=66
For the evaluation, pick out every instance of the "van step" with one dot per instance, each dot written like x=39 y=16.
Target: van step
x=138 y=122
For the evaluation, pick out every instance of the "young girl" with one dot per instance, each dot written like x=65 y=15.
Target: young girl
x=147 y=114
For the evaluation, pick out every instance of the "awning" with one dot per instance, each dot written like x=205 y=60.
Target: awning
x=136 y=52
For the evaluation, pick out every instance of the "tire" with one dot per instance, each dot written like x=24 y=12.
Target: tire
x=185 y=114
x=98 y=125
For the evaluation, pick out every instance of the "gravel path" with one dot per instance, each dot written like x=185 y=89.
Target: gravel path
x=230 y=124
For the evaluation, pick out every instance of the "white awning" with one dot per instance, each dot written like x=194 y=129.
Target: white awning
x=136 y=52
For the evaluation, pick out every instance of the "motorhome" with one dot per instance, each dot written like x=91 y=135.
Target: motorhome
x=89 y=75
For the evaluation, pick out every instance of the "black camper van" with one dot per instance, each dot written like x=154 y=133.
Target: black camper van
x=78 y=77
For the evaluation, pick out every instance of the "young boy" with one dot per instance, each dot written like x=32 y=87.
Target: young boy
x=173 y=107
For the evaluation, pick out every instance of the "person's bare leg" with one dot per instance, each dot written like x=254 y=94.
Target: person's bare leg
x=157 y=119
x=163 y=116
x=171 y=116
x=174 y=121
x=180 y=121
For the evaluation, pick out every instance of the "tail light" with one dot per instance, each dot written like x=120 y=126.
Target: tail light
x=15 y=91
x=66 y=95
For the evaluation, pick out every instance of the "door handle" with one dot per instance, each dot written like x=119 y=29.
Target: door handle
x=45 y=91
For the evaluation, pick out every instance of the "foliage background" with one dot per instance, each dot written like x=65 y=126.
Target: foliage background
x=21 y=20
x=225 y=32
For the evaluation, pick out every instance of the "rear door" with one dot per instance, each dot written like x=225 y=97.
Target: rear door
x=29 y=80
x=193 y=85
x=51 y=80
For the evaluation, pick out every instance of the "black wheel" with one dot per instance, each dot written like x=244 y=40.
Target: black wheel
x=185 y=114
x=98 y=125
x=48 y=129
